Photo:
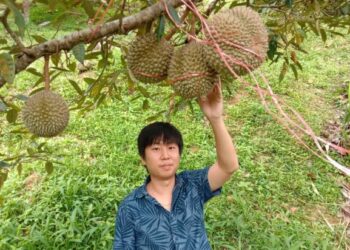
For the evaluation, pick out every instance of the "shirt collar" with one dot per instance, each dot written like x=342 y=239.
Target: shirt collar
x=142 y=192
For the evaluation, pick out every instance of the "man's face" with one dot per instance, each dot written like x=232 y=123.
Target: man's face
x=162 y=160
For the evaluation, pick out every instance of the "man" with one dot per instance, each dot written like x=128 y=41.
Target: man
x=167 y=211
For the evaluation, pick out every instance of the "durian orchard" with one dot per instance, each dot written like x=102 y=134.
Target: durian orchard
x=218 y=41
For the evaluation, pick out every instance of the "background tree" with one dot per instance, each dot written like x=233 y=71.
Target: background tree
x=102 y=37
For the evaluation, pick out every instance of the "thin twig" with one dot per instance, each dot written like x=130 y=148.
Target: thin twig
x=13 y=35
x=46 y=72
x=325 y=219
x=122 y=15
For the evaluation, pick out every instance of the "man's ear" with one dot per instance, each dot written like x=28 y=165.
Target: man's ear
x=143 y=162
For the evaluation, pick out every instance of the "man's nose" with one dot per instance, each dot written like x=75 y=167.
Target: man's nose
x=164 y=153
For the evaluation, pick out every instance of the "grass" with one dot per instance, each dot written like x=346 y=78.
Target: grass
x=279 y=199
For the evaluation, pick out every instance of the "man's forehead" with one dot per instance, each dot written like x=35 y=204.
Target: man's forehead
x=162 y=140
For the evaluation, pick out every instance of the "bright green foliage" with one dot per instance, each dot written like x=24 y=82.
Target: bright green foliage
x=7 y=67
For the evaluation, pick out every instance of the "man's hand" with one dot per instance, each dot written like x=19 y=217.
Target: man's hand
x=212 y=104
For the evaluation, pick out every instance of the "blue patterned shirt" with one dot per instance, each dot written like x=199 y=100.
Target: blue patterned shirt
x=142 y=223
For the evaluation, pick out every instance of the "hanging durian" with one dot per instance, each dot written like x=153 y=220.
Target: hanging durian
x=241 y=35
x=188 y=72
x=148 y=58
x=45 y=113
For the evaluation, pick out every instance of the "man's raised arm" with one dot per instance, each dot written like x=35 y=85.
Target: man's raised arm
x=226 y=162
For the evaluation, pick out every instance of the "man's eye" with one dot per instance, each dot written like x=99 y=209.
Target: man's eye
x=172 y=147
x=155 y=148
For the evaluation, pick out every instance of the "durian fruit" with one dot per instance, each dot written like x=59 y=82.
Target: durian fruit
x=241 y=26
x=148 y=58
x=45 y=114
x=188 y=72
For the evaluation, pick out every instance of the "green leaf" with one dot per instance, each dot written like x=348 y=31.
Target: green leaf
x=173 y=14
x=93 y=55
x=19 y=169
x=4 y=164
x=313 y=28
x=161 y=27
x=347 y=116
x=156 y=116
x=295 y=71
x=7 y=67
x=345 y=10
x=21 y=97
x=49 y=167
x=96 y=89
x=3 y=106
x=72 y=66
x=79 y=52
x=55 y=58
x=299 y=65
x=100 y=100
x=349 y=91
x=272 y=48
x=36 y=90
x=3 y=41
x=88 y=7
x=283 y=71
x=76 y=87
x=143 y=91
x=12 y=115
x=30 y=151
x=34 y=72
x=323 y=35
x=289 y=3
x=145 y=105
x=39 y=39
x=19 y=19
x=3 y=177
x=89 y=80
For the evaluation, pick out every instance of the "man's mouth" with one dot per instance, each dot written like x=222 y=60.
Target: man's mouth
x=166 y=166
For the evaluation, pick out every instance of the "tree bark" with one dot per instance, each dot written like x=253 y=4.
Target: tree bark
x=29 y=55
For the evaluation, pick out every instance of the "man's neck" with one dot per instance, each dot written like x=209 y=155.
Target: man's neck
x=161 y=187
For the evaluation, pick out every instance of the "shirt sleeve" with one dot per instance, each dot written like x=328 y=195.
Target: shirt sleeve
x=200 y=179
x=124 y=238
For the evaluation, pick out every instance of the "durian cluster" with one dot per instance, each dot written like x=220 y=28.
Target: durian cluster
x=240 y=37
x=237 y=34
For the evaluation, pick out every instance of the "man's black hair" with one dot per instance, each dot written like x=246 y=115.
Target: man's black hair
x=158 y=132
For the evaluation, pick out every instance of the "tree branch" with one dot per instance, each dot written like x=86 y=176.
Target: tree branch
x=13 y=35
x=29 y=55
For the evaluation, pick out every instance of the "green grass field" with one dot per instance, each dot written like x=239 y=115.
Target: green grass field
x=281 y=198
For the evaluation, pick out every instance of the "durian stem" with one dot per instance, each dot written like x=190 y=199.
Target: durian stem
x=175 y=29
x=46 y=72
x=192 y=22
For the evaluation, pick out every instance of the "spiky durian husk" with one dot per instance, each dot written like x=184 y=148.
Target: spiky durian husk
x=241 y=26
x=148 y=58
x=45 y=114
x=188 y=72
